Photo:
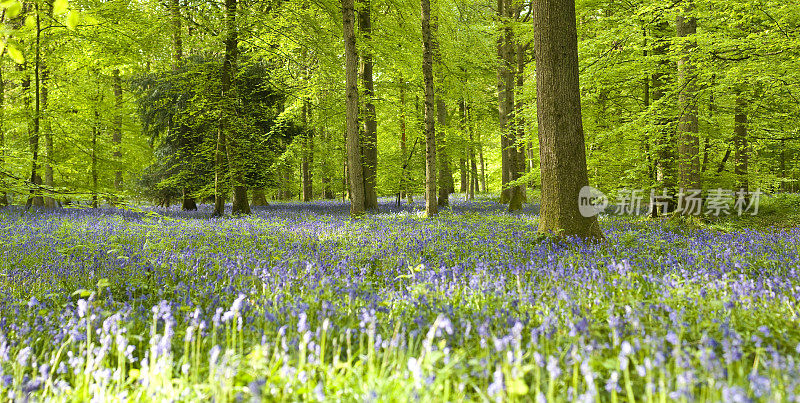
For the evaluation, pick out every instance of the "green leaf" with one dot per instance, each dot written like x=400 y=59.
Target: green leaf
x=82 y=293
x=60 y=6
x=30 y=22
x=103 y=283
x=13 y=8
x=73 y=18
x=15 y=54
x=517 y=387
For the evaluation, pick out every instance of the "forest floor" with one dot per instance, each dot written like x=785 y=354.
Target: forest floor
x=301 y=302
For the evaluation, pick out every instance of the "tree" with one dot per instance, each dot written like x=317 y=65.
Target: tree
x=431 y=204
x=688 y=140
x=354 y=165
x=369 y=145
x=561 y=143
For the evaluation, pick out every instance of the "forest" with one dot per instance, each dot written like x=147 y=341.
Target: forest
x=392 y=200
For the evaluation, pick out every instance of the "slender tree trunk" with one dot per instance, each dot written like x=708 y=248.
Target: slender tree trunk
x=3 y=194
x=689 y=141
x=308 y=150
x=473 y=184
x=403 y=146
x=354 y=166
x=177 y=40
x=36 y=179
x=664 y=152
x=464 y=154
x=369 y=145
x=484 y=189
x=117 y=135
x=522 y=163
x=515 y=129
x=95 y=129
x=740 y=157
x=431 y=205
x=240 y=204
x=49 y=201
x=561 y=142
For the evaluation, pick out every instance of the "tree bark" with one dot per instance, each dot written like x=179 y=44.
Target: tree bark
x=664 y=151
x=404 y=179
x=177 y=40
x=473 y=183
x=117 y=135
x=95 y=130
x=36 y=198
x=740 y=155
x=49 y=201
x=445 y=173
x=689 y=142
x=562 y=149
x=464 y=154
x=354 y=166
x=3 y=193
x=369 y=146
x=308 y=155
x=259 y=197
x=431 y=205
x=240 y=204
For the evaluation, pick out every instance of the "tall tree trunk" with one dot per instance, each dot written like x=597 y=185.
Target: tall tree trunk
x=95 y=130
x=117 y=135
x=49 y=201
x=177 y=40
x=484 y=189
x=473 y=165
x=689 y=142
x=308 y=155
x=445 y=174
x=431 y=205
x=515 y=129
x=502 y=90
x=406 y=160
x=240 y=204
x=3 y=194
x=561 y=142
x=522 y=163
x=260 y=197
x=36 y=198
x=464 y=155
x=354 y=166
x=664 y=151
x=369 y=145
x=740 y=156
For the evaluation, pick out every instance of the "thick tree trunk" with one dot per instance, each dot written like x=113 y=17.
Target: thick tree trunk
x=740 y=155
x=259 y=197
x=369 y=146
x=431 y=205
x=463 y=161
x=689 y=142
x=561 y=143
x=354 y=166
x=445 y=173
